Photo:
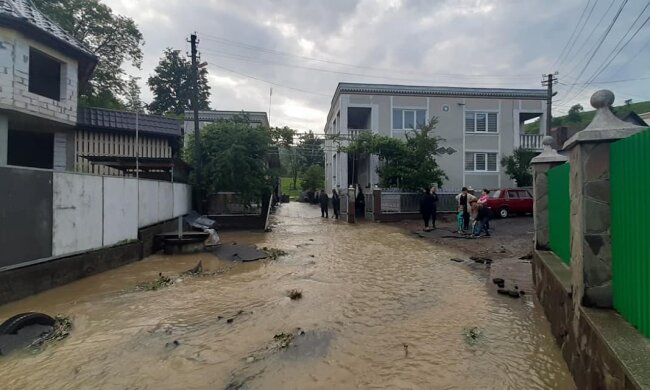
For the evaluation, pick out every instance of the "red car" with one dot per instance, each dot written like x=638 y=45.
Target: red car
x=506 y=201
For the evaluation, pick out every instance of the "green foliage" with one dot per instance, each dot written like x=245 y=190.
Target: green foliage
x=114 y=39
x=311 y=151
x=287 y=188
x=407 y=164
x=313 y=178
x=172 y=85
x=234 y=156
x=283 y=136
x=574 y=113
x=517 y=166
x=133 y=101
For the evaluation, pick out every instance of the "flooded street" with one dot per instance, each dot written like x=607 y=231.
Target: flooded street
x=380 y=310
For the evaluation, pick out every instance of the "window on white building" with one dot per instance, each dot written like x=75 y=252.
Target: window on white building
x=408 y=119
x=481 y=122
x=480 y=162
x=44 y=75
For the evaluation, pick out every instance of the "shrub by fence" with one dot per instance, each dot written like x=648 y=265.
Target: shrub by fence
x=630 y=180
x=559 y=209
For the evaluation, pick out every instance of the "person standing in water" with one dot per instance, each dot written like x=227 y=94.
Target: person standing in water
x=324 y=204
x=464 y=199
x=336 y=204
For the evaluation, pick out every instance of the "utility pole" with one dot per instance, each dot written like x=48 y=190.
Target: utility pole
x=548 y=80
x=198 y=161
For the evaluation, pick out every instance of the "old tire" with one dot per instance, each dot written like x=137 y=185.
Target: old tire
x=15 y=323
x=504 y=212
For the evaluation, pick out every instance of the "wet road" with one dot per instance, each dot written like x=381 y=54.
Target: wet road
x=368 y=290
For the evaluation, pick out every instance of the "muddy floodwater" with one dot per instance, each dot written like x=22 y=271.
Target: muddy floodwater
x=380 y=309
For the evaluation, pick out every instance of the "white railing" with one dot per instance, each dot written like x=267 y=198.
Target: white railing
x=531 y=141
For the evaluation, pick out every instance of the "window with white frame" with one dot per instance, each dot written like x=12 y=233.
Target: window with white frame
x=408 y=119
x=480 y=162
x=481 y=122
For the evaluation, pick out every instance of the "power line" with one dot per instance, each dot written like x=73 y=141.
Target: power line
x=247 y=46
x=608 y=81
x=600 y=43
x=215 y=54
x=577 y=36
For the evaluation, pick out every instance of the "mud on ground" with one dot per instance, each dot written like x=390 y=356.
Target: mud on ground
x=511 y=239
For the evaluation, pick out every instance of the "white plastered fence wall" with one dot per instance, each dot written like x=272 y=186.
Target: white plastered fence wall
x=90 y=212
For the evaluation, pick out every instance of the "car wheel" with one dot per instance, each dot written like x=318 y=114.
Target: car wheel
x=503 y=212
x=15 y=323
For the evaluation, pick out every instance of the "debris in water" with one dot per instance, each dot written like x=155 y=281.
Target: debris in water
x=230 y=320
x=60 y=330
x=172 y=345
x=457 y=260
x=406 y=349
x=274 y=253
x=472 y=335
x=197 y=269
x=284 y=339
x=158 y=283
x=250 y=359
x=527 y=256
x=294 y=294
x=481 y=260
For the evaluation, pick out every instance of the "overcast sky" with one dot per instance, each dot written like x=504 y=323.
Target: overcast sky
x=303 y=48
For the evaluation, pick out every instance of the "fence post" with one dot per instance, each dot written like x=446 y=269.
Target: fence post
x=376 y=207
x=548 y=159
x=591 y=249
x=352 y=211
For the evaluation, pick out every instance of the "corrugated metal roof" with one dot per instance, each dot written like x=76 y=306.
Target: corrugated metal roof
x=213 y=115
x=123 y=121
x=390 y=89
x=25 y=14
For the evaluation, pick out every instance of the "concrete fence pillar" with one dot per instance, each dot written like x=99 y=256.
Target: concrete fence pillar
x=4 y=139
x=548 y=159
x=591 y=244
x=352 y=210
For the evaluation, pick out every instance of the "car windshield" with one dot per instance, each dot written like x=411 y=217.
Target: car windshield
x=496 y=194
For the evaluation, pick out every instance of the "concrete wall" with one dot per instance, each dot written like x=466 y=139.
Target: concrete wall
x=14 y=80
x=120 y=211
x=25 y=215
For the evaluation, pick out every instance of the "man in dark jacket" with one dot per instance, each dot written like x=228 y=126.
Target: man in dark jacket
x=336 y=203
x=434 y=210
x=426 y=208
x=324 y=204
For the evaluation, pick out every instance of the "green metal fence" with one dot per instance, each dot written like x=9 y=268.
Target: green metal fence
x=630 y=183
x=559 y=212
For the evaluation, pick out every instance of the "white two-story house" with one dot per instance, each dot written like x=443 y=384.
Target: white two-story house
x=478 y=126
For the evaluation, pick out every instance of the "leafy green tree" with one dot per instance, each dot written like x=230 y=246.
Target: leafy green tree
x=311 y=150
x=172 y=85
x=234 y=158
x=517 y=166
x=574 y=113
x=283 y=136
x=133 y=101
x=114 y=39
x=313 y=178
x=407 y=164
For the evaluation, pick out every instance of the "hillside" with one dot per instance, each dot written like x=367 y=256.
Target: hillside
x=587 y=116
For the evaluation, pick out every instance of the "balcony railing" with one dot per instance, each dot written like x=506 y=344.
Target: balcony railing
x=531 y=141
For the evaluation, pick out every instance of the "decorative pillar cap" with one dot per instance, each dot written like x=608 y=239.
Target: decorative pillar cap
x=549 y=155
x=605 y=126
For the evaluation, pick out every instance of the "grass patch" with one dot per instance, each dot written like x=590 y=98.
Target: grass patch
x=286 y=188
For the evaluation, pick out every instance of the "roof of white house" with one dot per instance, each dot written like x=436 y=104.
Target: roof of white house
x=213 y=115
x=23 y=16
x=390 y=89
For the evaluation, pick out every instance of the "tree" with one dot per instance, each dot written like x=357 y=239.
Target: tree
x=517 y=166
x=574 y=113
x=133 y=101
x=114 y=39
x=313 y=178
x=409 y=164
x=311 y=151
x=172 y=85
x=234 y=158
x=283 y=136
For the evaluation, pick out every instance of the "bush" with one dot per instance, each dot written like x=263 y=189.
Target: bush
x=517 y=166
x=313 y=178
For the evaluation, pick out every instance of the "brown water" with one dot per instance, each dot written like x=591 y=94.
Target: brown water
x=368 y=290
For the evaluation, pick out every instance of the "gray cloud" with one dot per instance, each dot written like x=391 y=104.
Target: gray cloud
x=501 y=43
